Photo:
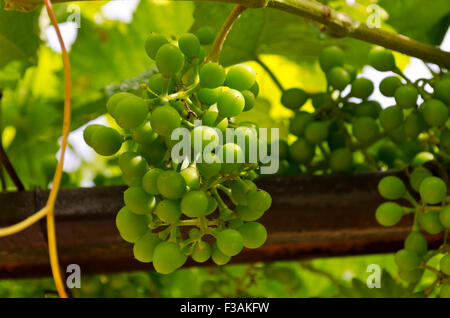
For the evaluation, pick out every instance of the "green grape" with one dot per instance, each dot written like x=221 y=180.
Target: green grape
x=130 y=225
x=212 y=75
x=192 y=177
x=294 y=98
x=406 y=96
x=254 y=89
x=144 y=247
x=431 y=223
x=222 y=125
x=115 y=99
x=253 y=233
x=389 y=214
x=208 y=96
x=230 y=103
x=132 y=181
x=445 y=264
x=105 y=141
x=283 y=149
x=298 y=124
x=407 y=260
x=389 y=85
x=212 y=205
x=434 y=112
x=368 y=109
x=381 y=59
x=149 y=181
x=138 y=201
x=351 y=70
x=388 y=153
x=169 y=60
x=156 y=84
x=240 y=77
x=417 y=176
x=210 y=117
x=155 y=152
x=413 y=276
x=249 y=98
x=218 y=257
x=210 y=166
x=205 y=35
x=445 y=290
x=195 y=233
x=171 y=184
x=230 y=242
x=130 y=112
x=144 y=134
x=444 y=217
x=202 y=252
x=164 y=120
x=247 y=139
x=168 y=211
x=259 y=200
x=417 y=243
x=322 y=100
x=132 y=164
x=338 y=78
x=239 y=190
x=153 y=43
x=445 y=141
x=442 y=90
x=330 y=57
x=341 y=160
x=167 y=257
x=194 y=203
x=316 y=132
x=362 y=88
x=202 y=136
x=232 y=158
x=391 y=118
x=433 y=190
x=391 y=188
x=414 y=125
x=247 y=214
x=366 y=130
x=336 y=139
x=301 y=151
x=189 y=44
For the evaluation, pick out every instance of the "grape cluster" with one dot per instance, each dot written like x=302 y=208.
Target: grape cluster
x=173 y=209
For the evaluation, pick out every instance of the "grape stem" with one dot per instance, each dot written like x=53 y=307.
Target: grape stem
x=217 y=46
x=270 y=73
x=219 y=200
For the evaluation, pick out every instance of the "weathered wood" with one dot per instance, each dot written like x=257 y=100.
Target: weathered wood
x=311 y=216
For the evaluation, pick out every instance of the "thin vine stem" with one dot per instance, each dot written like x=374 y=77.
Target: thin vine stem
x=270 y=73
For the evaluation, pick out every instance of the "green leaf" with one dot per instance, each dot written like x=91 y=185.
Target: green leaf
x=19 y=35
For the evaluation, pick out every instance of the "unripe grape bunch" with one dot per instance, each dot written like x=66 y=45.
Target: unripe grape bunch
x=176 y=208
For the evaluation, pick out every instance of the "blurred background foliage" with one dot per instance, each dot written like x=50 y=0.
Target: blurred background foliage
x=107 y=55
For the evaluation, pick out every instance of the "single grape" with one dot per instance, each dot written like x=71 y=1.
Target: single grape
x=294 y=98
x=132 y=181
x=389 y=85
x=149 y=181
x=444 y=144
x=88 y=133
x=130 y=112
x=230 y=242
x=362 y=88
x=154 y=153
x=381 y=59
x=407 y=260
x=230 y=103
x=253 y=233
x=417 y=243
x=338 y=78
x=259 y=200
x=210 y=166
x=330 y=57
x=212 y=205
x=413 y=276
x=168 y=211
x=218 y=257
x=205 y=35
x=249 y=98
x=130 y=225
x=189 y=44
x=388 y=153
x=254 y=89
x=298 y=124
x=322 y=100
x=194 y=203
x=138 y=201
x=414 y=124
x=445 y=291
x=389 y=214
x=171 y=184
x=202 y=252
x=239 y=190
x=169 y=60
x=192 y=177
x=232 y=158
x=144 y=134
x=316 y=132
x=209 y=96
x=391 y=118
x=105 y=141
x=240 y=77
x=442 y=90
x=247 y=214
x=132 y=164
x=114 y=100
x=417 y=176
x=144 y=247
x=153 y=43
x=431 y=223
x=210 y=117
x=406 y=96
x=301 y=151
x=444 y=217
x=391 y=188
x=445 y=264
x=368 y=108
x=351 y=71
x=164 y=120
x=156 y=83
x=341 y=160
x=433 y=190
x=434 y=112
x=222 y=125
x=247 y=139
x=366 y=130
x=167 y=257
x=202 y=136
x=212 y=75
